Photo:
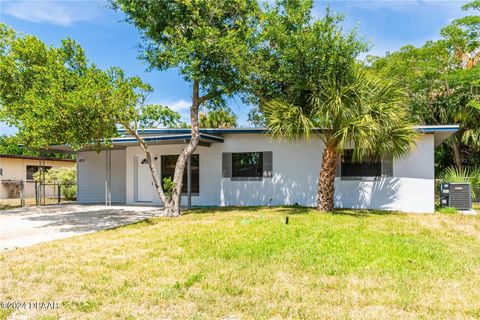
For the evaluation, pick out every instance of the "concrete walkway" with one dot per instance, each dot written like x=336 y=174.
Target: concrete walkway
x=27 y=226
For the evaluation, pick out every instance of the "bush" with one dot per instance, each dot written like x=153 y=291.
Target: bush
x=168 y=186
x=66 y=177
x=69 y=191
x=453 y=174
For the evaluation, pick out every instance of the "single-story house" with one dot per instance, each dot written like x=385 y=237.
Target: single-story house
x=14 y=168
x=246 y=167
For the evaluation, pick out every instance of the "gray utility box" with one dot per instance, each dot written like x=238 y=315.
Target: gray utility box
x=456 y=195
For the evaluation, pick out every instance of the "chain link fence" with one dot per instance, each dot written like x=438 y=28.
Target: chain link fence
x=15 y=193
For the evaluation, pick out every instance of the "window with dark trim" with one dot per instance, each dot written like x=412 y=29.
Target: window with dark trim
x=168 y=170
x=351 y=169
x=31 y=170
x=247 y=165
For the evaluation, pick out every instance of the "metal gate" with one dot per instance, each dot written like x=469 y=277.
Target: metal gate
x=53 y=193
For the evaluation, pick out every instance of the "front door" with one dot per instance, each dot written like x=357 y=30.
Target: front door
x=145 y=186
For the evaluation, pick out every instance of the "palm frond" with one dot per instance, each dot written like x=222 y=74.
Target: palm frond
x=286 y=120
x=471 y=137
x=365 y=113
x=373 y=118
x=460 y=175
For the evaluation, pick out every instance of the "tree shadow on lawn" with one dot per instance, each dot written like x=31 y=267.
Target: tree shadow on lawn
x=290 y=210
x=90 y=220
x=229 y=209
x=363 y=213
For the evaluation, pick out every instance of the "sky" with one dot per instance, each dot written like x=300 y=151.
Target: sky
x=110 y=41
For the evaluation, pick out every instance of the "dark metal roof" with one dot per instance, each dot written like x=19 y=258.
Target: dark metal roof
x=159 y=138
x=169 y=137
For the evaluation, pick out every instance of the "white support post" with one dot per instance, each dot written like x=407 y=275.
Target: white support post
x=108 y=177
x=189 y=181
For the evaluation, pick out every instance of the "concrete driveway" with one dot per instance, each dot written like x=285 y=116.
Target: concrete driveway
x=27 y=226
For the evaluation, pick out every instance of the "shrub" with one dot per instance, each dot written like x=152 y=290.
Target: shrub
x=168 y=186
x=69 y=191
x=66 y=177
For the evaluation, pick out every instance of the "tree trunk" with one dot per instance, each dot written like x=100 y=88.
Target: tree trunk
x=456 y=155
x=172 y=207
x=326 y=181
x=151 y=164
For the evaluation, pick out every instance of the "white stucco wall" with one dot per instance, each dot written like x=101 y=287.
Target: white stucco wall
x=411 y=188
x=296 y=167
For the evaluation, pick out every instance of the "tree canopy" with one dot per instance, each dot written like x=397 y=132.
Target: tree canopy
x=209 y=42
x=442 y=80
x=54 y=96
x=221 y=118
x=297 y=50
x=156 y=116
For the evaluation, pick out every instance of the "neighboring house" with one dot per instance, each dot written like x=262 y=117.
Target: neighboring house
x=14 y=168
x=246 y=167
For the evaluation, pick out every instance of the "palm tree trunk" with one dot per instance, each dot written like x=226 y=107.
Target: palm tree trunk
x=456 y=155
x=326 y=181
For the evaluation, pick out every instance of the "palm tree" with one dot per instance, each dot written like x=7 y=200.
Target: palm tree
x=364 y=112
x=221 y=118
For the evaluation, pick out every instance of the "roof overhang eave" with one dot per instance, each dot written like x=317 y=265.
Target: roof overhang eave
x=124 y=142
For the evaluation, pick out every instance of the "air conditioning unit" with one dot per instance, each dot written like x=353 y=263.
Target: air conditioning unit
x=456 y=195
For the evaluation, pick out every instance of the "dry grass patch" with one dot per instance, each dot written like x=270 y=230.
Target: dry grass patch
x=245 y=263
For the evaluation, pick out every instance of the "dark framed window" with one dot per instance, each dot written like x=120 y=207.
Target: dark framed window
x=240 y=166
x=247 y=165
x=168 y=170
x=31 y=170
x=351 y=169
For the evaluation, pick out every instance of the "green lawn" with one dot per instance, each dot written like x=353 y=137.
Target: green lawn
x=248 y=264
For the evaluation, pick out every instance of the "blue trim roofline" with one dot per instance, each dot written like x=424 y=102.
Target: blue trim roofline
x=421 y=129
x=167 y=138
x=439 y=128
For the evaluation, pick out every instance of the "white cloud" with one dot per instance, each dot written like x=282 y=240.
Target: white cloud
x=62 y=13
x=179 y=106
